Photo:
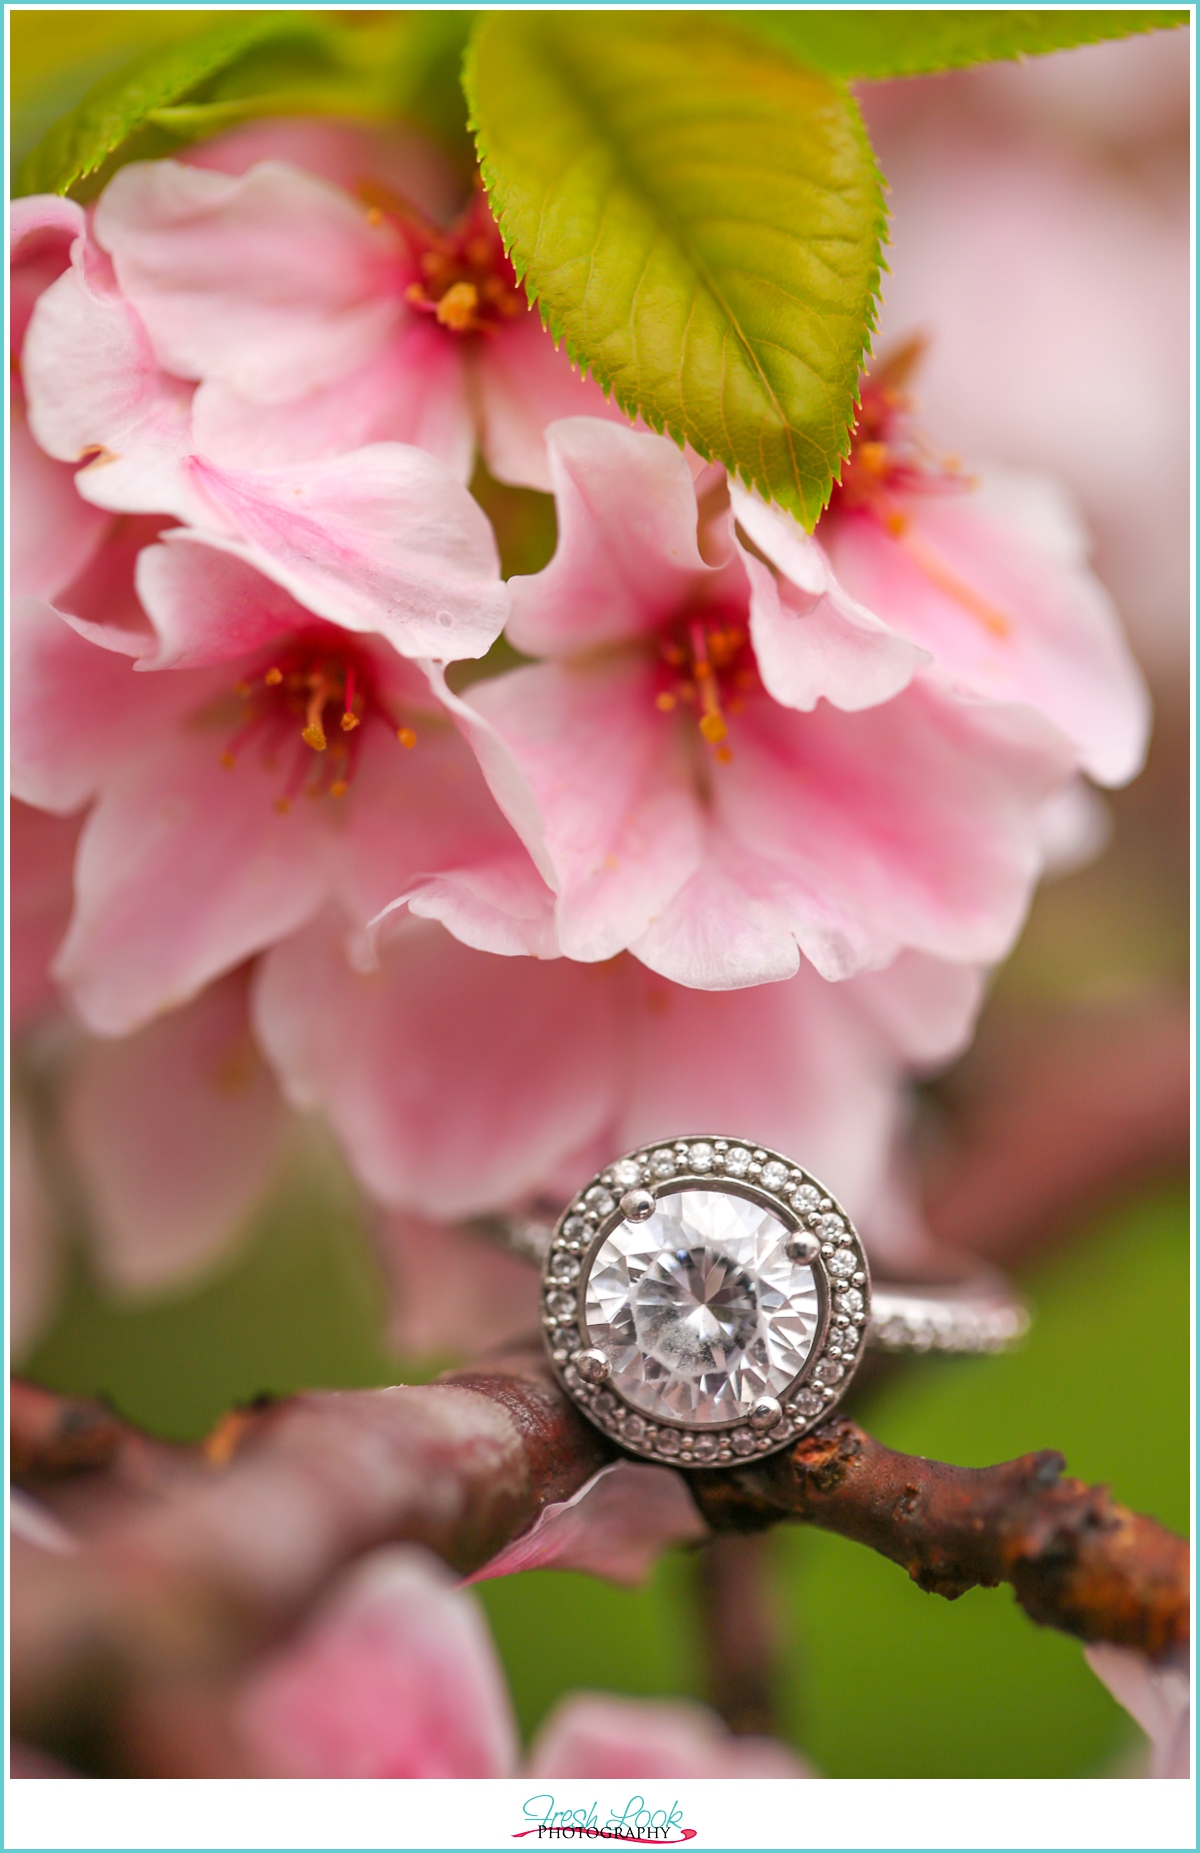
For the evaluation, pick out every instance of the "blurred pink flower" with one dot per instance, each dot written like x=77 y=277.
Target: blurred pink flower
x=255 y=777
x=616 y=1526
x=1158 y=1698
x=41 y=850
x=672 y=794
x=382 y=538
x=553 y=1067
x=397 y=1677
x=320 y=312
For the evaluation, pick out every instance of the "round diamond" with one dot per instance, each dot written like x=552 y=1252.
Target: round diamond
x=574 y=1229
x=831 y=1227
x=706 y=1447
x=700 y=1156
x=742 y=1440
x=829 y=1372
x=737 y=1161
x=565 y=1268
x=561 y=1305
x=699 y=1308
x=848 y=1338
x=851 y=1301
x=806 y=1198
x=600 y=1200
x=668 y=1441
x=774 y=1175
x=633 y=1428
x=627 y=1173
x=842 y=1264
x=808 y=1402
x=663 y=1164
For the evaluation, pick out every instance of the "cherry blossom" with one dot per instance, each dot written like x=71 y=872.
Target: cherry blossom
x=554 y=1066
x=379 y=537
x=272 y=764
x=726 y=771
x=1158 y=1698
x=989 y=575
x=396 y=1676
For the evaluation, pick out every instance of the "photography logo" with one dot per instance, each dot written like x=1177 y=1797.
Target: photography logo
x=636 y=1824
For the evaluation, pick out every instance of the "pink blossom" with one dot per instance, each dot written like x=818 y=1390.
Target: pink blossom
x=252 y=780
x=396 y=1677
x=378 y=537
x=684 y=787
x=53 y=532
x=616 y=1526
x=990 y=577
x=319 y=307
x=41 y=859
x=553 y=1067
x=1158 y=1698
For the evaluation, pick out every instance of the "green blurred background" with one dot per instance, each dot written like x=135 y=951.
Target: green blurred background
x=881 y=1680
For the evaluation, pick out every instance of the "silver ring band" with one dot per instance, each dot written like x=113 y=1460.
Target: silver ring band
x=979 y=1314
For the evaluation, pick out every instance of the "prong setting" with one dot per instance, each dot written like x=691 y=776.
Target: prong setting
x=637 y=1205
x=766 y=1414
x=593 y=1367
x=803 y=1248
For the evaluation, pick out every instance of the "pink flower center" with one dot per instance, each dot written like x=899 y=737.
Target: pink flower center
x=890 y=460
x=464 y=279
x=706 y=664
x=314 y=702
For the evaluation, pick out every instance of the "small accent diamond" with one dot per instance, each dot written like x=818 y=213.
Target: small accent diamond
x=633 y=1428
x=574 y=1229
x=807 y=1403
x=566 y=1268
x=561 y=1305
x=743 y=1441
x=705 y=1447
x=842 y=1264
x=829 y=1372
x=663 y=1164
x=848 y=1338
x=700 y=1156
x=737 y=1161
x=806 y=1198
x=774 y=1175
x=831 y=1227
x=600 y=1200
x=668 y=1441
x=626 y=1173
x=851 y=1301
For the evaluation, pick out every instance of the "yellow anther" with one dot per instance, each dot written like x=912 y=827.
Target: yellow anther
x=665 y=702
x=338 y=789
x=273 y=677
x=713 y=727
x=457 y=307
x=314 y=735
x=724 y=755
x=406 y=736
x=349 y=722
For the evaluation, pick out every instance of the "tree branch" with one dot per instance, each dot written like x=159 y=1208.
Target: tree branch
x=197 y=1560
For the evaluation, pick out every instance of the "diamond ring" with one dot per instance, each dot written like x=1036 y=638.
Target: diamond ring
x=706 y=1300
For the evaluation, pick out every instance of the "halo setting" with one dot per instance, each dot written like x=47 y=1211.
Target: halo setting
x=704 y=1301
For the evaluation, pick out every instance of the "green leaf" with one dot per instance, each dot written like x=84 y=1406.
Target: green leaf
x=115 y=110
x=854 y=42
x=699 y=217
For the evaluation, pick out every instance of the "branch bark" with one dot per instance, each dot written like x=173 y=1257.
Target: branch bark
x=194 y=1561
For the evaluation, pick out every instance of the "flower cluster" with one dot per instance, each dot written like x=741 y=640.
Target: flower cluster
x=732 y=846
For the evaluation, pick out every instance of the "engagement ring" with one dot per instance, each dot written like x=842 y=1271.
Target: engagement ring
x=706 y=1300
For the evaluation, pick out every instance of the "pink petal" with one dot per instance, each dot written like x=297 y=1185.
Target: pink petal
x=618 y=822
x=453 y=1294
x=911 y=824
x=208 y=606
x=343 y=153
x=496 y=905
x=1158 y=1698
x=41 y=231
x=41 y=863
x=54 y=532
x=627 y=555
x=395 y=1676
x=925 y=1008
x=524 y=384
x=617 y=1526
x=272 y=281
x=413 y=390
x=593 y=1736
x=77 y=708
x=810 y=639
x=1032 y=624
x=93 y=385
x=521 y=1048
x=386 y=539
x=185 y=868
x=176 y=1132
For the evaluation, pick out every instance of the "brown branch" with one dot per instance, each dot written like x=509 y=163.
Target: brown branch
x=126 y=1654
